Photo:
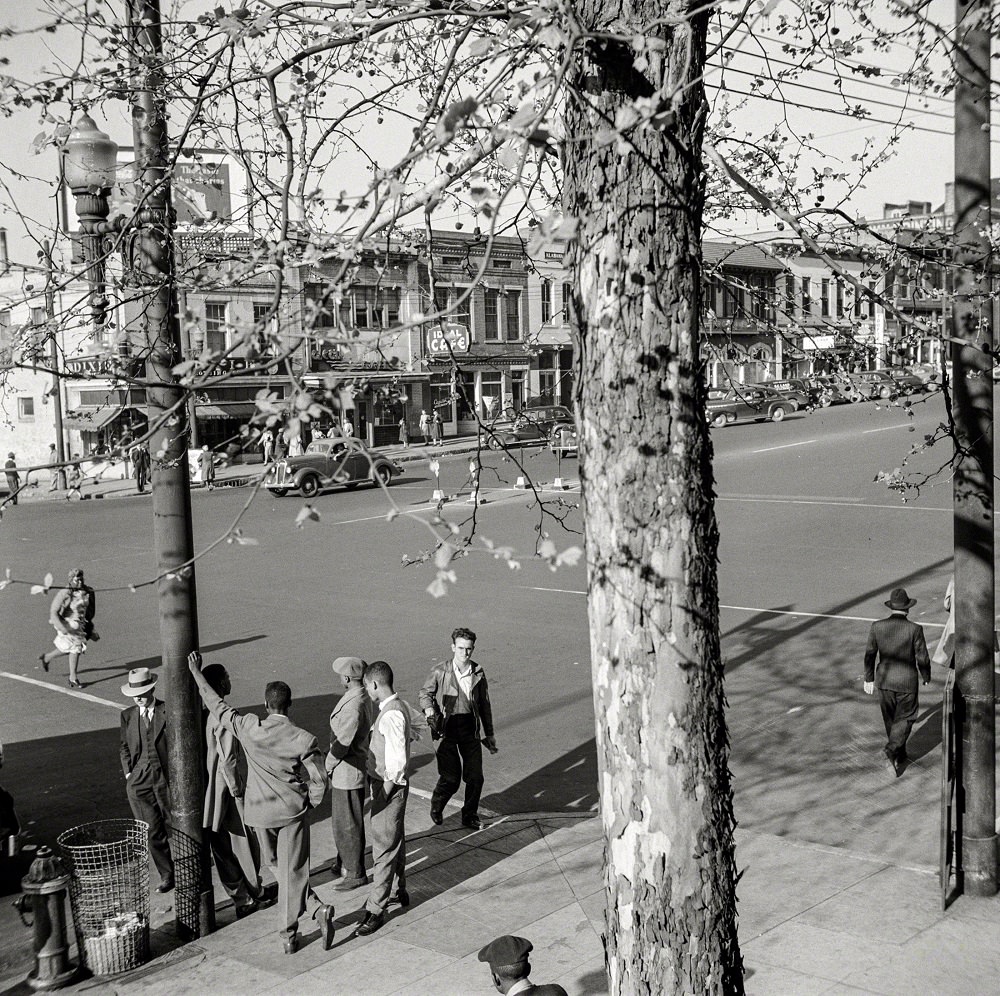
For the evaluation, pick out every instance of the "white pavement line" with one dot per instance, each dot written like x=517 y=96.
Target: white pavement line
x=834 y=504
x=62 y=691
x=410 y=865
x=785 y=446
x=773 y=612
x=886 y=428
x=738 y=495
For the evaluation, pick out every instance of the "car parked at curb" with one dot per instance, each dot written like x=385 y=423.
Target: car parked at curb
x=872 y=384
x=797 y=391
x=927 y=376
x=747 y=402
x=530 y=426
x=329 y=463
x=907 y=381
x=563 y=440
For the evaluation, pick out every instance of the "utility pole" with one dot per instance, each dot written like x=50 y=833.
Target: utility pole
x=153 y=271
x=973 y=493
x=57 y=406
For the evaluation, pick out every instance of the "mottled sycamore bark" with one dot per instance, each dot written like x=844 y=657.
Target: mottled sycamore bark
x=666 y=797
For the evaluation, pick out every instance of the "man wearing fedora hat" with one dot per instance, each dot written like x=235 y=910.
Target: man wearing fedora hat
x=901 y=651
x=346 y=764
x=507 y=957
x=144 y=761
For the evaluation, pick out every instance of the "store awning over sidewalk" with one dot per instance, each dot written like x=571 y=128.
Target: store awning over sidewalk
x=91 y=418
x=235 y=409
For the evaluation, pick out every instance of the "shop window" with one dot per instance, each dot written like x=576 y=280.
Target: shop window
x=547 y=385
x=26 y=409
x=512 y=323
x=546 y=289
x=491 y=304
x=442 y=400
x=517 y=390
x=215 y=327
x=467 y=396
x=491 y=392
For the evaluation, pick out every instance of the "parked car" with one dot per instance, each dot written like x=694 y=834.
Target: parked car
x=748 y=402
x=564 y=440
x=929 y=375
x=871 y=384
x=531 y=425
x=797 y=391
x=329 y=463
x=907 y=381
x=829 y=390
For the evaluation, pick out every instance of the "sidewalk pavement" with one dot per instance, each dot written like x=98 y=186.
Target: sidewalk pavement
x=236 y=475
x=813 y=919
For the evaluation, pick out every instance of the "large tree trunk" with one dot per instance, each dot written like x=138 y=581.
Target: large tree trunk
x=666 y=797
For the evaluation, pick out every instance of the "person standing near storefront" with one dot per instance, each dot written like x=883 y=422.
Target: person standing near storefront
x=206 y=460
x=56 y=470
x=267 y=445
x=13 y=477
x=425 y=426
x=437 y=428
x=140 y=466
x=404 y=432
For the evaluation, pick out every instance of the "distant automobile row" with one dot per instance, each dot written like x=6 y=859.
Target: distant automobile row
x=774 y=399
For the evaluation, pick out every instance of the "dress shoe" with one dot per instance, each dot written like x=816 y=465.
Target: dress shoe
x=45 y=663
x=349 y=884
x=401 y=898
x=292 y=944
x=165 y=886
x=472 y=822
x=437 y=816
x=246 y=909
x=371 y=923
x=325 y=915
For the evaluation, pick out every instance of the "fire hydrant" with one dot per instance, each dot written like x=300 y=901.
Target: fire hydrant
x=44 y=889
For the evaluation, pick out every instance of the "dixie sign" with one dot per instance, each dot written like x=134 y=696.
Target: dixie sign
x=453 y=335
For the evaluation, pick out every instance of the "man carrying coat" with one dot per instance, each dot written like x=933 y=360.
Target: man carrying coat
x=285 y=779
x=346 y=764
x=456 y=700
x=901 y=650
x=143 y=750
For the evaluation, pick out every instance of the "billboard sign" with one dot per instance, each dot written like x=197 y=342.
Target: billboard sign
x=201 y=192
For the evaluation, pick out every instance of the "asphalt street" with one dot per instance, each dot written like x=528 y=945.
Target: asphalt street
x=811 y=546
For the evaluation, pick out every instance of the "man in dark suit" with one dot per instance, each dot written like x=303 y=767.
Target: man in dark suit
x=144 y=761
x=507 y=957
x=901 y=651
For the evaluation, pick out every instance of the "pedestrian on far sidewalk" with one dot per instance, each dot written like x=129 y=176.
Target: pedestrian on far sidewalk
x=901 y=651
x=456 y=700
x=235 y=848
x=13 y=477
x=347 y=765
x=56 y=470
x=206 y=460
x=140 y=466
x=388 y=774
x=404 y=432
x=144 y=747
x=507 y=957
x=437 y=429
x=74 y=480
x=72 y=617
x=285 y=779
x=425 y=426
x=267 y=445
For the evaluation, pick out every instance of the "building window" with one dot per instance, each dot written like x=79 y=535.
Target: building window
x=387 y=301
x=491 y=315
x=456 y=304
x=364 y=307
x=513 y=315
x=26 y=409
x=491 y=393
x=517 y=395
x=858 y=296
x=839 y=291
x=500 y=264
x=824 y=298
x=806 y=297
x=38 y=316
x=466 y=389
x=567 y=293
x=546 y=302
x=215 y=327
x=6 y=342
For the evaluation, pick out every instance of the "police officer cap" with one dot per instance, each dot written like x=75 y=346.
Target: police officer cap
x=506 y=950
x=350 y=667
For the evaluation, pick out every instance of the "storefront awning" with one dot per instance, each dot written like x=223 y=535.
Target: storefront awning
x=91 y=418
x=235 y=409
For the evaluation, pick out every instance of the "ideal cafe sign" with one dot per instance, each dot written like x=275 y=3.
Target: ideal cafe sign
x=453 y=337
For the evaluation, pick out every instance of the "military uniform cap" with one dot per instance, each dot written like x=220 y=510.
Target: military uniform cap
x=506 y=950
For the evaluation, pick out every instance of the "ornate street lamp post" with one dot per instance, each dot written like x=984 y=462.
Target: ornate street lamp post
x=146 y=243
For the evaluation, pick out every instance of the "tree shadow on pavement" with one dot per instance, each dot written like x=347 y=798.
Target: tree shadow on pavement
x=156 y=661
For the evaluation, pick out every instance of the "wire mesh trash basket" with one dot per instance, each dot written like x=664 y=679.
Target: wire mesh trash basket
x=108 y=861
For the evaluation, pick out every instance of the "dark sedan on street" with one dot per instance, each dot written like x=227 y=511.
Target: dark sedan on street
x=329 y=463
x=530 y=426
x=747 y=402
x=797 y=391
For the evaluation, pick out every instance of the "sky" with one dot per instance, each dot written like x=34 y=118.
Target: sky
x=918 y=170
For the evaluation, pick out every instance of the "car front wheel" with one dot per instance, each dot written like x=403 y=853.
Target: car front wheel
x=720 y=420
x=885 y=393
x=309 y=486
x=383 y=475
x=778 y=415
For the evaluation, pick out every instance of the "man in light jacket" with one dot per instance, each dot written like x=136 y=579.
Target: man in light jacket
x=285 y=778
x=456 y=700
x=346 y=764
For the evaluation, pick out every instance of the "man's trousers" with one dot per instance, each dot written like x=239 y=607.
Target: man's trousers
x=149 y=799
x=347 y=819
x=285 y=850
x=388 y=845
x=237 y=855
x=458 y=761
x=899 y=710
